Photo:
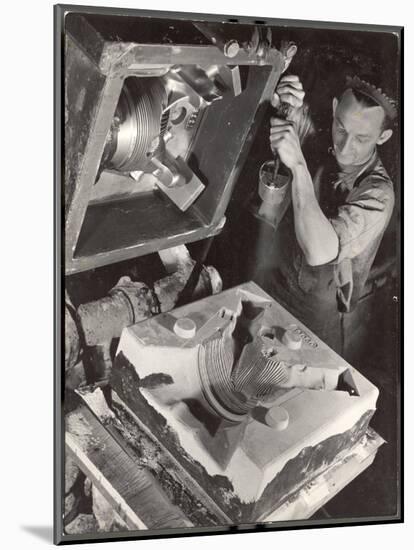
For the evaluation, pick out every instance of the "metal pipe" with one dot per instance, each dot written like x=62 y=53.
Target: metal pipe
x=97 y=323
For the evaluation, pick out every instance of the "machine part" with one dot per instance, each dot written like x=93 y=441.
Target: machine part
x=206 y=423
x=259 y=45
x=192 y=121
x=165 y=118
x=230 y=75
x=215 y=368
x=180 y=94
x=170 y=172
x=235 y=385
x=313 y=378
x=185 y=328
x=175 y=258
x=211 y=136
x=292 y=340
x=129 y=302
x=226 y=77
x=232 y=364
x=126 y=303
x=199 y=81
x=177 y=181
x=137 y=140
x=303 y=336
x=170 y=289
x=153 y=111
x=137 y=124
x=185 y=107
x=230 y=47
x=277 y=418
x=258 y=372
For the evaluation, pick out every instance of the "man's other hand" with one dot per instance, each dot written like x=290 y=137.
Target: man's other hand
x=289 y=90
x=284 y=139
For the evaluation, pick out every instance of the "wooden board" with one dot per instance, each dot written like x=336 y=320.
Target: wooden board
x=132 y=491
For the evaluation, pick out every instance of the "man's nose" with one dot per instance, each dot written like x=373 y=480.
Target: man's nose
x=346 y=145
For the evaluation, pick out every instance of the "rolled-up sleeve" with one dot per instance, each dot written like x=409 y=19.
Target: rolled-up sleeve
x=363 y=217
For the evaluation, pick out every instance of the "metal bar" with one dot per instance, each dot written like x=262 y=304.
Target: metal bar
x=86 y=177
x=171 y=54
x=75 y=265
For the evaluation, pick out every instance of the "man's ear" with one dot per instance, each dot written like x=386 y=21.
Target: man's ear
x=334 y=105
x=385 y=136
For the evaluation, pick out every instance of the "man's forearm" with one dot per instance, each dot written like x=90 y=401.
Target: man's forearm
x=314 y=232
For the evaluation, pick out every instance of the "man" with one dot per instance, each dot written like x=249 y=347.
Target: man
x=324 y=247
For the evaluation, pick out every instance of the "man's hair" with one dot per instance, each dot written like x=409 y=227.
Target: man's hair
x=367 y=101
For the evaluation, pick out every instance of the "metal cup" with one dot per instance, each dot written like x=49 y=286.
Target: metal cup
x=274 y=192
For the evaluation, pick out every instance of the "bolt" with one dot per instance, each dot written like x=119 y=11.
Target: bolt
x=231 y=48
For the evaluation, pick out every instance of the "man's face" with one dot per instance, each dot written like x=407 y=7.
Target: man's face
x=356 y=130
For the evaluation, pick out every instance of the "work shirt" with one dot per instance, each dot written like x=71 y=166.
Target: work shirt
x=359 y=205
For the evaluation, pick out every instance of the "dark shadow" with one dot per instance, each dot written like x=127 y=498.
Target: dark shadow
x=167 y=321
x=43 y=532
x=259 y=414
x=209 y=420
x=279 y=333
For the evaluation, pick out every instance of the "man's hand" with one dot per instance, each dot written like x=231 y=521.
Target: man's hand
x=289 y=90
x=284 y=139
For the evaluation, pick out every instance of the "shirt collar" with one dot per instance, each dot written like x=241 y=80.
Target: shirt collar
x=348 y=179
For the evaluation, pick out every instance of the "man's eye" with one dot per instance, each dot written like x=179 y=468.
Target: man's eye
x=337 y=126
